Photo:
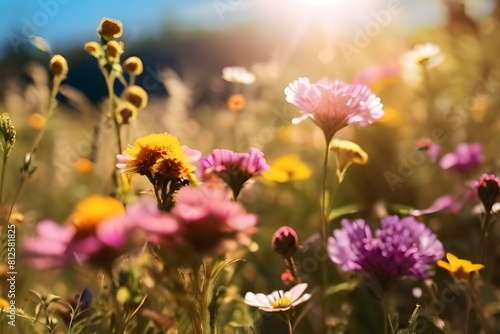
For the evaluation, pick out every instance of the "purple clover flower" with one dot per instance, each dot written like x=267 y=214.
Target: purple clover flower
x=233 y=168
x=401 y=247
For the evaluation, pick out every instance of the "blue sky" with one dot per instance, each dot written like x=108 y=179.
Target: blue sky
x=73 y=22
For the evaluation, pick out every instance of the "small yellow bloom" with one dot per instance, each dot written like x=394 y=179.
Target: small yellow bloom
x=114 y=50
x=133 y=65
x=287 y=168
x=58 y=66
x=125 y=111
x=94 y=48
x=36 y=121
x=156 y=156
x=83 y=166
x=236 y=102
x=93 y=210
x=459 y=268
x=136 y=95
x=347 y=153
x=110 y=28
x=4 y=303
x=391 y=118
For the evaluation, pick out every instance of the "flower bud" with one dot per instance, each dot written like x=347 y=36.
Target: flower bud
x=136 y=95
x=7 y=134
x=58 y=66
x=113 y=51
x=125 y=111
x=94 y=48
x=133 y=65
x=110 y=28
x=285 y=241
x=488 y=189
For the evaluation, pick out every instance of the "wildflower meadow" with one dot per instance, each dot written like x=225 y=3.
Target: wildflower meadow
x=297 y=178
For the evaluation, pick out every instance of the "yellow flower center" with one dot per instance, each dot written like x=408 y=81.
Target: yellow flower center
x=94 y=210
x=281 y=302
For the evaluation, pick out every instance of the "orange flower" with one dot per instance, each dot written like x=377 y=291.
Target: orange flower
x=83 y=166
x=236 y=102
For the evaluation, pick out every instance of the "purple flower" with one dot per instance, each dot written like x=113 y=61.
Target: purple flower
x=465 y=158
x=401 y=247
x=333 y=105
x=233 y=168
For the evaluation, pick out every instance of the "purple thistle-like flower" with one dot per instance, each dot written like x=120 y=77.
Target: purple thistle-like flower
x=464 y=159
x=401 y=247
x=333 y=105
x=233 y=168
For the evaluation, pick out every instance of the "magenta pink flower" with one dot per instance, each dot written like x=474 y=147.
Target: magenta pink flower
x=207 y=216
x=488 y=190
x=464 y=159
x=233 y=168
x=285 y=241
x=333 y=105
x=55 y=245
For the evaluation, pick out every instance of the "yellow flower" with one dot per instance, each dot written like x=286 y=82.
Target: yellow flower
x=94 y=48
x=287 y=168
x=110 y=28
x=136 y=95
x=58 y=66
x=347 y=153
x=459 y=268
x=156 y=156
x=236 y=102
x=391 y=118
x=133 y=65
x=4 y=303
x=94 y=210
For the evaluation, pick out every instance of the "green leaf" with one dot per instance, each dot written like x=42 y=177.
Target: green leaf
x=343 y=210
x=346 y=286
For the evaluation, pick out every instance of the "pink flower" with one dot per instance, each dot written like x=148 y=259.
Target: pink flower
x=285 y=241
x=207 y=217
x=465 y=158
x=488 y=190
x=233 y=168
x=333 y=105
x=55 y=245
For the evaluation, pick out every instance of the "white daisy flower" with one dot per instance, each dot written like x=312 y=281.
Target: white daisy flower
x=278 y=301
x=238 y=74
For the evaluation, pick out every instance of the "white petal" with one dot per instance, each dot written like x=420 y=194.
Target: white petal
x=263 y=300
x=270 y=309
x=297 y=291
x=251 y=299
x=302 y=299
x=297 y=120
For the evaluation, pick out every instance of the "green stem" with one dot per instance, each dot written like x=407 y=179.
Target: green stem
x=324 y=268
x=293 y=269
x=475 y=304
x=484 y=236
x=4 y=163
x=289 y=321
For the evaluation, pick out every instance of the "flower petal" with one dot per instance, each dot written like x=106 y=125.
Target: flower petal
x=297 y=291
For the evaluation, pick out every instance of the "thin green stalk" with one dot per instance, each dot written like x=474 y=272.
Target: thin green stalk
x=4 y=163
x=386 y=314
x=484 y=235
x=293 y=269
x=289 y=321
x=475 y=304
x=324 y=268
